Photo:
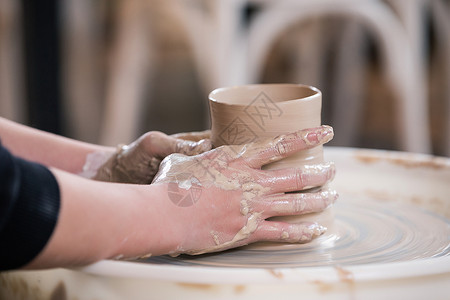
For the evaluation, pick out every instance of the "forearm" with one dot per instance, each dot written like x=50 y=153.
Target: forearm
x=100 y=220
x=46 y=148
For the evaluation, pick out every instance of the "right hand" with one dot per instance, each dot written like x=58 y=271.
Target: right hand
x=222 y=199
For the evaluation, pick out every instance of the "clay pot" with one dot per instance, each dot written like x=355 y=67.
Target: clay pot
x=243 y=114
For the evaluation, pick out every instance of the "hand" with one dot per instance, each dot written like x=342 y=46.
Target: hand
x=138 y=162
x=222 y=199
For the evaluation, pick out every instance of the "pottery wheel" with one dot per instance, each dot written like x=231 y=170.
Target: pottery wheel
x=392 y=219
x=365 y=231
x=389 y=239
x=391 y=209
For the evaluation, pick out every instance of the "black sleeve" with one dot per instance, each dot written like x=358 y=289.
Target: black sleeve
x=29 y=208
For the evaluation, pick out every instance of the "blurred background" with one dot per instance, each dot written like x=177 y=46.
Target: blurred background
x=106 y=71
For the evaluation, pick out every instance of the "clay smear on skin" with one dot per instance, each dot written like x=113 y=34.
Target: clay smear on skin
x=314 y=170
x=134 y=165
x=131 y=163
x=250 y=191
x=238 y=180
x=211 y=172
x=252 y=224
x=280 y=143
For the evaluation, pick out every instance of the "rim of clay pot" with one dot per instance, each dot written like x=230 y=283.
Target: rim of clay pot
x=218 y=95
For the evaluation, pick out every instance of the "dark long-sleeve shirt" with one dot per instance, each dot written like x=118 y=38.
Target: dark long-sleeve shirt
x=29 y=208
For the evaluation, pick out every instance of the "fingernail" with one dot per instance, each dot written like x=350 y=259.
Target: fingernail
x=326 y=134
x=329 y=195
x=321 y=135
x=317 y=229
x=205 y=144
x=331 y=170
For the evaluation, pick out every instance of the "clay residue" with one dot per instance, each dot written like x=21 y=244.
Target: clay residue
x=16 y=287
x=145 y=256
x=239 y=289
x=434 y=204
x=244 y=208
x=196 y=286
x=285 y=235
x=323 y=286
x=216 y=172
x=380 y=195
x=134 y=163
x=230 y=168
x=348 y=278
x=413 y=161
x=252 y=224
x=367 y=159
x=59 y=293
x=215 y=236
x=276 y=273
x=344 y=275
x=129 y=164
x=94 y=161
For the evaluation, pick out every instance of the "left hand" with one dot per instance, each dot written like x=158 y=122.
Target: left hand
x=139 y=161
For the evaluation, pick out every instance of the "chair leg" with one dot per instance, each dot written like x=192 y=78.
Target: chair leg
x=12 y=80
x=400 y=64
x=127 y=78
x=308 y=66
x=217 y=41
x=411 y=15
x=81 y=69
x=349 y=84
x=441 y=17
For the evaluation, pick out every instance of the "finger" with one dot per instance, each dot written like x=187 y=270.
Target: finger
x=193 y=148
x=294 y=203
x=296 y=179
x=193 y=136
x=159 y=145
x=286 y=145
x=270 y=231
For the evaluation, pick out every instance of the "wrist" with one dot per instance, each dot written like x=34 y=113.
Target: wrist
x=150 y=229
x=94 y=219
x=100 y=160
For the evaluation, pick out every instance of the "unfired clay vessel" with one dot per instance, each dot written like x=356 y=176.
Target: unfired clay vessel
x=242 y=114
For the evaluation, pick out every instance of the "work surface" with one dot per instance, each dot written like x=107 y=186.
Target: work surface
x=389 y=237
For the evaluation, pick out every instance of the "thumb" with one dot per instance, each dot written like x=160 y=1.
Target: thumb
x=193 y=148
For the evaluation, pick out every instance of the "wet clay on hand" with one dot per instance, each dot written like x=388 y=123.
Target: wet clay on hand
x=139 y=162
x=222 y=198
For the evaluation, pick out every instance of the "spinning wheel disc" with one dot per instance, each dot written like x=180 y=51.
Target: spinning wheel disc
x=365 y=231
x=392 y=221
